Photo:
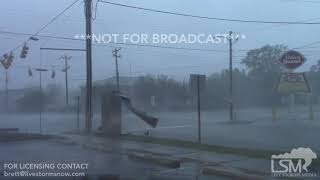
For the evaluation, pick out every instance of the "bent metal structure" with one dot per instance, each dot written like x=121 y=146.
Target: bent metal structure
x=111 y=114
x=152 y=121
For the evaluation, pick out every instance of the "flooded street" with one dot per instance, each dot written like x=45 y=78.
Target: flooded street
x=111 y=165
x=98 y=163
x=254 y=129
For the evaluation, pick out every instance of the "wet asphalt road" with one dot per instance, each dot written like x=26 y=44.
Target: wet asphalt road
x=253 y=128
x=100 y=164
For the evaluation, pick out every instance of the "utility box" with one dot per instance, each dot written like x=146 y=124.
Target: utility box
x=111 y=114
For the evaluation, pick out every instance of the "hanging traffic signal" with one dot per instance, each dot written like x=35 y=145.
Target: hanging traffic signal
x=5 y=56
x=24 y=51
x=3 y=63
x=53 y=74
x=10 y=58
x=30 y=72
x=7 y=61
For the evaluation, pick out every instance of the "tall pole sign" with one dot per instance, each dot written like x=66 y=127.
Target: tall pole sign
x=291 y=82
x=291 y=60
x=197 y=83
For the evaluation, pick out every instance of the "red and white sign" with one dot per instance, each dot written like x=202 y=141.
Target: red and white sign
x=292 y=59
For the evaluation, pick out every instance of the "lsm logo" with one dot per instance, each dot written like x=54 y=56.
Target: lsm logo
x=293 y=164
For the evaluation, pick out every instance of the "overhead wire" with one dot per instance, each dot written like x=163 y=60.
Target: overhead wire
x=207 y=17
x=46 y=25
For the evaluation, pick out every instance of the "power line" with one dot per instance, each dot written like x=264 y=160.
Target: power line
x=301 y=1
x=278 y=25
x=41 y=36
x=56 y=17
x=127 y=44
x=47 y=24
x=62 y=49
x=169 y=47
x=306 y=46
x=209 y=18
x=51 y=67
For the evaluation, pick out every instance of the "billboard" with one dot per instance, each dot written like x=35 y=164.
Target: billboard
x=292 y=60
x=293 y=83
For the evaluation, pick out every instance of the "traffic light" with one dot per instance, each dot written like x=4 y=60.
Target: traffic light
x=7 y=61
x=30 y=72
x=3 y=63
x=10 y=58
x=24 y=51
x=53 y=74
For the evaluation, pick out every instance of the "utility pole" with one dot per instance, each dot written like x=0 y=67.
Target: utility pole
x=230 y=75
x=199 y=109
x=116 y=56
x=40 y=109
x=7 y=91
x=88 y=15
x=66 y=59
x=78 y=112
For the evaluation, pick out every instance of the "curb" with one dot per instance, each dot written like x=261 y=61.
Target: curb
x=230 y=172
x=252 y=153
x=19 y=136
x=156 y=159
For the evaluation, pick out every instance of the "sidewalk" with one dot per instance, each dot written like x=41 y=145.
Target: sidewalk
x=177 y=159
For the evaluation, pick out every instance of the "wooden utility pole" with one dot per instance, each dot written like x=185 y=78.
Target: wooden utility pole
x=78 y=112
x=230 y=75
x=88 y=15
x=199 y=109
x=7 y=91
x=116 y=56
x=66 y=59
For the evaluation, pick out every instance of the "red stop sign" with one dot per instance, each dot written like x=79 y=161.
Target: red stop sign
x=292 y=59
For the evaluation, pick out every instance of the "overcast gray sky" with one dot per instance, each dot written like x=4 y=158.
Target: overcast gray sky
x=29 y=15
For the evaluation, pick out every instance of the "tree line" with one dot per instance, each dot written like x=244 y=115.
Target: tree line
x=253 y=86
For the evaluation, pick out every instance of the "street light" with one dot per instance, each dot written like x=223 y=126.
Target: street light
x=40 y=70
x=33 y=38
